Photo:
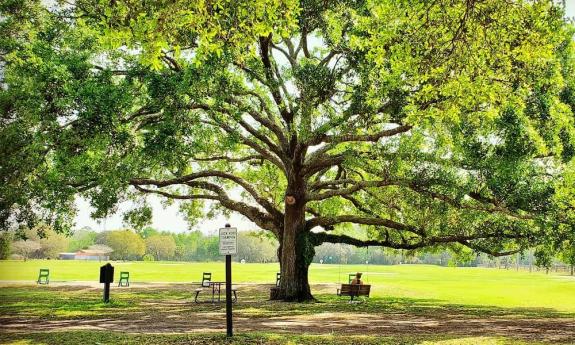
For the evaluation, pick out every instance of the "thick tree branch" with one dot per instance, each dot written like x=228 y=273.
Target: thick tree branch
x=336 y=139
x=488 y=251
x=248 y=142
x=388 y=223
x=263 y=220
x=266 y=122
x=267 y=205
x=228 y=158
x=355 y=186
x=324 y=237
x=322 y=163
x=272 y=83
x=290 y=58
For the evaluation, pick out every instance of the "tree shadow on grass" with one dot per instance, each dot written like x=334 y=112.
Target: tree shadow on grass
x=249 y=338
x=65 y=302
x=426 y=306
x=172 y=310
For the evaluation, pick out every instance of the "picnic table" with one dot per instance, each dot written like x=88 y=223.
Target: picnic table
x=216 y=288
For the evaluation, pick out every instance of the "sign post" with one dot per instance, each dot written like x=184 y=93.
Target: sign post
x=107 y=277
x=228 y=247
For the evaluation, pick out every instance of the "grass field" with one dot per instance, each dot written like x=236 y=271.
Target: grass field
x=443 y=285
x=74 y=314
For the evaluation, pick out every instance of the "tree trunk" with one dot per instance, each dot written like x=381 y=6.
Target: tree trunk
x=572 y=269
x=296 y=251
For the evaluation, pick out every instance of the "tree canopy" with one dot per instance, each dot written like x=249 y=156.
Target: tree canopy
x=417 y=124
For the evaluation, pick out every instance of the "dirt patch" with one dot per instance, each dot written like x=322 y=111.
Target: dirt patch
x=171 y=310
x=177 y=321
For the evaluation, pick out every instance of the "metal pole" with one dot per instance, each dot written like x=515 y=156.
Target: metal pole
x=229 y=325
x=106 y=292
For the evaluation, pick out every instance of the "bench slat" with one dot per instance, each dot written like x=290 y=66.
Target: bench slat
x=354 y=290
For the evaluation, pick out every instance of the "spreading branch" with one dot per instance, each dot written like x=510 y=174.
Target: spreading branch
x=267 y=205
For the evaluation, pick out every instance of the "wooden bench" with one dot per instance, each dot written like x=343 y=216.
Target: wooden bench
x=43 y=276
x=124 y=279
x=353 y=290
x=275 y=290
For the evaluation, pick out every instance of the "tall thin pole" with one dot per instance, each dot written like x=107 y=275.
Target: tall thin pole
x=229 y=325
x=106 y=292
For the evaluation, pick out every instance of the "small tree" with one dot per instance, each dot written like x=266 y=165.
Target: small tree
x=544 y=257
x=26 y=248
x=81 y=239
x=567 y=255
x=254 y=247
x=53 y=244
x=162 y=247
x=148 y=232
x=126 y=245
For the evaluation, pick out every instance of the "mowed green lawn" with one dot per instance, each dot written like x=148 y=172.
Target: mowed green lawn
x=444 y=285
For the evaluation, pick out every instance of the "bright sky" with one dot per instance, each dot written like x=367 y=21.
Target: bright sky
x=169 y=219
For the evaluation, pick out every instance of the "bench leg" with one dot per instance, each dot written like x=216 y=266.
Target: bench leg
x=235 y=297
x=196 y=298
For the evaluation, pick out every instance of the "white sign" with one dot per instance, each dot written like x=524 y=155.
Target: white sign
x=228 y=241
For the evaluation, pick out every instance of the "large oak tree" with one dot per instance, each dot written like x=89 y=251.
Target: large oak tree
x=420 y=123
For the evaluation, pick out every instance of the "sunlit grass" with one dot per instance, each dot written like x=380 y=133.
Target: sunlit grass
x=449 y=285
x=47 y=305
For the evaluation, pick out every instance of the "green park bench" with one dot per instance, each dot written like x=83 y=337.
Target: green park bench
x=353 y=290
x=43 y=276
x=206 y=279
x=124 y=279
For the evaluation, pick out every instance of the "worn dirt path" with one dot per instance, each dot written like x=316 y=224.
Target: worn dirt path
x=549 y=330
x=184 y=316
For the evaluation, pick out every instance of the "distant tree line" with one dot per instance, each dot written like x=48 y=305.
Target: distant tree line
x=150 y=244
x=329 y=253
x=38 y=242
